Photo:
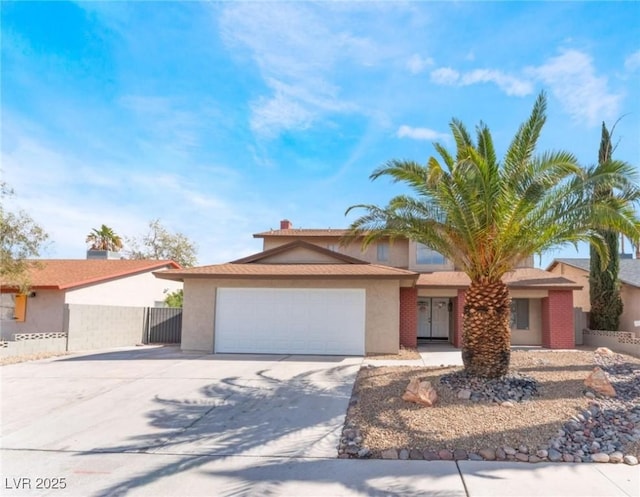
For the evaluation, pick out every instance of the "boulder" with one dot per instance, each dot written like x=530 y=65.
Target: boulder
x=598 y=382
x=420 y=392
x=604 y=351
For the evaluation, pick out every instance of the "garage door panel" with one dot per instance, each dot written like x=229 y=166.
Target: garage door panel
x=305 y=321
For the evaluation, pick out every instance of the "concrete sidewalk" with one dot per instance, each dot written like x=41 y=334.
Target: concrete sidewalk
x=157 y=475
x=431 y=355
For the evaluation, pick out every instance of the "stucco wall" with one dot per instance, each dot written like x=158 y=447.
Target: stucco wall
x=381 y=319
x=45 y=313
x=532 y=336
x=140 y=290
x=630 y=296
x=631 y=312
x=581 y=277
x=398 y=250
x=100 y=326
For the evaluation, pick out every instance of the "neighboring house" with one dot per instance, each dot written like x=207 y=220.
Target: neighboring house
x=307 y=293
x=57 y=283
x=629 y=275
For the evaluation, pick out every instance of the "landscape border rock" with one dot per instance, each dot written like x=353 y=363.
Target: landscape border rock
x=595 y=435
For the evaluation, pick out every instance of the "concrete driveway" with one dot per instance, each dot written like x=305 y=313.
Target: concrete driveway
x=158 y=400
x=156 y=422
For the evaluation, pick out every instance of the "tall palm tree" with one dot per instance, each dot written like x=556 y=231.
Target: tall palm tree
x=104 y=239
x=487 y=215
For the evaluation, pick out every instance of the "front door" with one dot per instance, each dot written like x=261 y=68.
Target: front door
x=433 y=318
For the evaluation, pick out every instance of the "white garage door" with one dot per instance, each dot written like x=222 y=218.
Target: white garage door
x=290 y=321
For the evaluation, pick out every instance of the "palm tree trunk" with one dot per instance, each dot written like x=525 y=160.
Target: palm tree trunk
x=486 y=329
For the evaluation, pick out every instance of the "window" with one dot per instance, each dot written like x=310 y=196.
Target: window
x=333 y=247
x=520 y=314
x=13 y=307
x=383 y=251
x=424 y=255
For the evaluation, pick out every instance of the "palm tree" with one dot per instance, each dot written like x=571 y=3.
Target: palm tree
x=487 y=216
x=104 y=239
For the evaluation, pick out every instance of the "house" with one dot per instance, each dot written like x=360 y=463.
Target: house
x=629 y=275
x=56 y=284
x=307 y=293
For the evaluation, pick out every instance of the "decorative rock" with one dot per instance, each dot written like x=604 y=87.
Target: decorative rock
x=554 y=455
x=522 y=457
x=600 y=457
x=598 y=381
x=487 y=454
x=459 y=454
x=542 y=454
x=567 y=457
x=630 y=460
x=501 y=455
x=364 y=452
x=506 y=403
x=430 y=455
x=445 y=455
x=604 y=351
x=475 y=457
x=510 y=451
x=415 y=454
x=389 y=454
x=464 y=394
x=534 y=459
x=616 y=457
x=420 y=392
x=524 y=449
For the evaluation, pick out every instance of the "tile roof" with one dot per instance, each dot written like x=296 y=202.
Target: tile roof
x=63 y=274
x=297 y=232
x=629 y=268
x=256 y=270
x=531 y=278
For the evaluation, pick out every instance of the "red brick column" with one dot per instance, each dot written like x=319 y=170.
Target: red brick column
x=458 y=308
x=557 y=320
x=409 y=317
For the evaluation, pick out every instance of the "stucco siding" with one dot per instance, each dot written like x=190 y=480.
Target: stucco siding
x=198 y=315
x=398 y=250
x=381 y=318
x=140 y=290
x=631 y=312
x=532 y=336
x=581 y=277
x=45 y=314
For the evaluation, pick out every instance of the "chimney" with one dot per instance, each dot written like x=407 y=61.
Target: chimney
x=285 y=224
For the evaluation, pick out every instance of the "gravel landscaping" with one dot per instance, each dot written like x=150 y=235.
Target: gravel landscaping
x=541 y=411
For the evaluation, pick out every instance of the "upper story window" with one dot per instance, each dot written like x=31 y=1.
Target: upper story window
x=427 y=256
x=383 y=251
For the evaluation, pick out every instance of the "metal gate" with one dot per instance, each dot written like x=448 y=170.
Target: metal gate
x=163 y=325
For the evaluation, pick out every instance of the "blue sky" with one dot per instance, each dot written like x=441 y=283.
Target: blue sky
x=220 y=119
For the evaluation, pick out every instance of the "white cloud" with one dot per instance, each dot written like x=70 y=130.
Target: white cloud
x=572 y=79
x=445 y=76
x=298 y=55
x=511 y=85
x=417 y=64
x=405 y=131
x=632 y=62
